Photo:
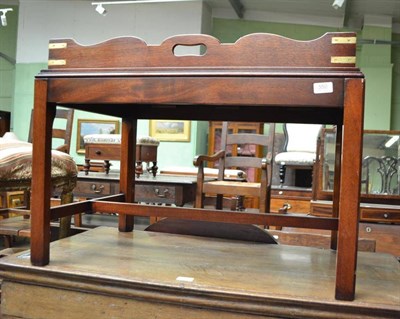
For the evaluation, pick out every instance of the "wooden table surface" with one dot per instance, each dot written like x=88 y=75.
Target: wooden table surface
x=179 y=276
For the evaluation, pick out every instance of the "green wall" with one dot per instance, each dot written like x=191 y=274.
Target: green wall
x=8 y=47
x=230 y=30
x=395 y=116
x=382 y=89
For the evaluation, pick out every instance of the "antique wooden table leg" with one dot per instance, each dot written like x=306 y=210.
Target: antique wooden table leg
x=86 y=166
x=349 y=194
x=41 y=172
x=127 y=170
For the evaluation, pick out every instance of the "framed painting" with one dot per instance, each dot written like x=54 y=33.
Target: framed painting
x=170 y=130
x=89 y=126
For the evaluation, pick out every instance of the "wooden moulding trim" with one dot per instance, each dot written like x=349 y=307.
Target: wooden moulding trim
x=210 y=299
x=210 y=71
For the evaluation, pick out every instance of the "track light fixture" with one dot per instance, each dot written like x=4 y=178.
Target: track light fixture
x=101 y=10
x=338 y=4
x=3 y=17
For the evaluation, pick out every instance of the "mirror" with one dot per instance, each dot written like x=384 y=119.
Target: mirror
x=380 y=163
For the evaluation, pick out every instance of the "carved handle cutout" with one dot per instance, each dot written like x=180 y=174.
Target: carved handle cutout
x=189 y=50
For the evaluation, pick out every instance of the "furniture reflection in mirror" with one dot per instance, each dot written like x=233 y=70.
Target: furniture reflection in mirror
x=380 y=166
x=237 y=152
x=380 y=199
x=299 y=152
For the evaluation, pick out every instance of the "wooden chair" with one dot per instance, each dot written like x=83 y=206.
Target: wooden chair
x=16 y=175
x=243 y=160
x=300 y=149
x=59 y=133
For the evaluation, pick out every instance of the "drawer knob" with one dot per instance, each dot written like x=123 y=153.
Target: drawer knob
x=368 y=229
x=98 y=152
x=97 y=190
x=159 y=194
x=386 y=215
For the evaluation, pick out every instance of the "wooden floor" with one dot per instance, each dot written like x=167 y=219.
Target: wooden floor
x=102 y=273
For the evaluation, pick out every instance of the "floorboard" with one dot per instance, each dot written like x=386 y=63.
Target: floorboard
x=105 y=273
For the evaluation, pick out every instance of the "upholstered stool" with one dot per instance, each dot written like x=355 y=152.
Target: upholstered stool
x=16 y=174
x=107 y=147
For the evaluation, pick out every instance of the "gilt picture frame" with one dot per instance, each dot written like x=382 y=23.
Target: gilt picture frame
x=170 y=130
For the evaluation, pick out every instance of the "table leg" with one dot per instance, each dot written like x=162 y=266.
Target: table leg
x=43 y=117
x=349 y=190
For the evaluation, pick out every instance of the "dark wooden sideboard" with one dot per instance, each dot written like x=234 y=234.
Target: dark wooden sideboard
x=162 y=189
x=250 y=80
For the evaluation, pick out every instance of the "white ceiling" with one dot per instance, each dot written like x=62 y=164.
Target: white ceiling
x=315 y=12
x=384 y=13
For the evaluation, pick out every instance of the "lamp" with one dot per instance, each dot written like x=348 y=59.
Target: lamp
x=338 y=4
x=3 y=17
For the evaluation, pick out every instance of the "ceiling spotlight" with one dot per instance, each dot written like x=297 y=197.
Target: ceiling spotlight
x=3 y=18
x=100 y=9
x=338 y=4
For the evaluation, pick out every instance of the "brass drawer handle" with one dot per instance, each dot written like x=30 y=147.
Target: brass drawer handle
x=287 y=206
x=161 y=195
x=97 y=190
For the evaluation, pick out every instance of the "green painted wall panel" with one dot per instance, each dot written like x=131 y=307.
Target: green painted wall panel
x=374 y=60
x=373 y=33
x=227 y=30
x=377 y=106
x=23 y=97
x=8 y=48
x=395 y=115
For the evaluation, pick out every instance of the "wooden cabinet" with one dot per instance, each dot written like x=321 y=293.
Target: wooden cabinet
x=296 y=200
x=165 y=189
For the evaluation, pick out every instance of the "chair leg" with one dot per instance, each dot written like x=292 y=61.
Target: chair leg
x=65 y=222
x=240 y=203
x=282 y=172
x=7 y=241
x=219 y=201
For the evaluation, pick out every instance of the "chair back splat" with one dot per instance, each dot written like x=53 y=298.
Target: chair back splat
x=63 y=134
x=238 y=151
